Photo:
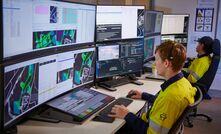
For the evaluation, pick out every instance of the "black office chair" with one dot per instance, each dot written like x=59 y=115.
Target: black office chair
x=178 y=126
x=205 y=82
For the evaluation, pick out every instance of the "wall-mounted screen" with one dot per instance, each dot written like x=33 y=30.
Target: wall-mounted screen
x=175 y=24
x=119 y=22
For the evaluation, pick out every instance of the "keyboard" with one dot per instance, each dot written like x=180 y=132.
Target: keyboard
x=103 y=114
x=116 y=82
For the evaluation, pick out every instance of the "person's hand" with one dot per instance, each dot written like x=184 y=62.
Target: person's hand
x=119 y=111
x=135 y=94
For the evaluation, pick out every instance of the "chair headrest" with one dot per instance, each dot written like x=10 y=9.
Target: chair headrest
x=216 y=47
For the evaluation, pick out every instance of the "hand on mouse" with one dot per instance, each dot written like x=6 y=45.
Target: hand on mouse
x=135 y=94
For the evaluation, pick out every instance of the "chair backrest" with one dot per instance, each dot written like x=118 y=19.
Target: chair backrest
x=198 y=98
x=206 y=80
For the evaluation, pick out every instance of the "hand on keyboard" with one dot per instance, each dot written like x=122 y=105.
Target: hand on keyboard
x=107 y=114
x=119 y=111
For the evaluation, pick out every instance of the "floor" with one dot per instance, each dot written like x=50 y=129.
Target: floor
x=212 y=108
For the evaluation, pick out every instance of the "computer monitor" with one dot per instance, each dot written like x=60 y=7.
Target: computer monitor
x=175 y=24
x=119 y=57
x=150 y=44
x=152 y=22
x=33 y=25
x=30 y=83
x=179 y=38
x=119 y=22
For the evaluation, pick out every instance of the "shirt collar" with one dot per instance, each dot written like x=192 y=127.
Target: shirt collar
x=200 y=56
x=171 y=80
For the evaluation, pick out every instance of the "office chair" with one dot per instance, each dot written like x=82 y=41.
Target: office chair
x=178 y=126
x=205 y=82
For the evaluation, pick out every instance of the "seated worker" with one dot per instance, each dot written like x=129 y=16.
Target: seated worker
x=201 y=64
x=175 y=95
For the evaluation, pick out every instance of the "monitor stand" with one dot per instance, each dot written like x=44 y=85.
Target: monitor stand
x=118 y=81
x=55 y=114
x=106 y=87
x=137 y=82
x=134 y=79
x=52 y=115
x=37 y=115
x=44 y=119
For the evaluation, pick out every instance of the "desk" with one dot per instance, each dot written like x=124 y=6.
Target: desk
x=92 y=127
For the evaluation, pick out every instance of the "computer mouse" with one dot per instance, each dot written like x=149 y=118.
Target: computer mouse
x=130 y=95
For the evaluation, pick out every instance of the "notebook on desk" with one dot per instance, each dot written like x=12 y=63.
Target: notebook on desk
x=156 y=77
x=77 y=106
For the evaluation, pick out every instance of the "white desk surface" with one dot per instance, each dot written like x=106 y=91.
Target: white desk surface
x=92 y=127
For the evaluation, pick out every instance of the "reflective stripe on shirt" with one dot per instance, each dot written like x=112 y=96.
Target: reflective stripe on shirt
x=157 y=128
x=187 y=70
x=195 y=75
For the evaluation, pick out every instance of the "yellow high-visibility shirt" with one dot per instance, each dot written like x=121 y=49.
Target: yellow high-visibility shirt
x=169 y=105
x=197 y=68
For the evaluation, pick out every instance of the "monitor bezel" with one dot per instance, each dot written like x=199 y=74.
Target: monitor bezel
x=100 y=41
x=154 y=46
x=154 y=33
x=178 y=33
x=5 y=59
x=1 y=33
x=21 y=117
x=32 y=55
x=120 y=74
x=1 y=73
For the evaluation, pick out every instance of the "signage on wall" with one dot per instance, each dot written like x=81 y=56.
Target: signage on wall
x=204 y=19
x=206 y=3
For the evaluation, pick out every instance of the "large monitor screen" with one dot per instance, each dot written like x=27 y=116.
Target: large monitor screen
x=32 y=25
x=152 y=22
x=119 y=57
x=30 y=83
x=175 y=24
x=150 y=44
x=119 y=22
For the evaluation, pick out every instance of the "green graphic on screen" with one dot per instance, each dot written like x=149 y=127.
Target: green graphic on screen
x=66 y=37
x=21 y=90
x=64 y=75
x=84 y=67
x=44 y=39
x=148 y=48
